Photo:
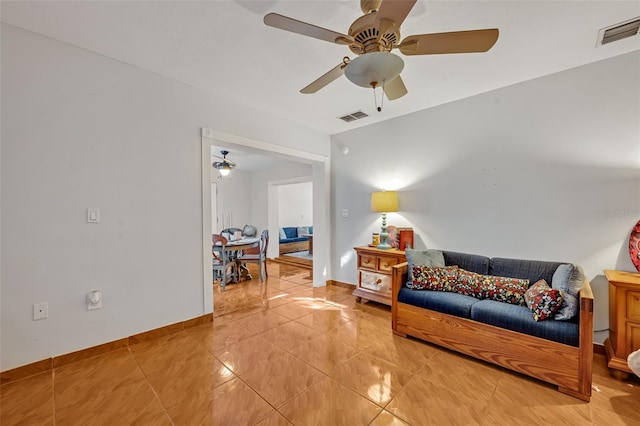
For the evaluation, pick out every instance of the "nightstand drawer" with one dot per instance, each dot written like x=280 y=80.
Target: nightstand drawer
x=379 y=283
x=386 y=263
x=633 y=305
x=367 y=261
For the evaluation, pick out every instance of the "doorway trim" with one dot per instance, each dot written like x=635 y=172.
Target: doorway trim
x=321 y=202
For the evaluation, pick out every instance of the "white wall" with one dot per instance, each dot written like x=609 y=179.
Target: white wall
x=261 y=180
x=81 y=130
x=530 y=171
x=296 y=204
x=235 y=208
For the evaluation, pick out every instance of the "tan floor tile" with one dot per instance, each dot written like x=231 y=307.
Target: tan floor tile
x=322 y=320
x=289 y=335
x=329 y=403
x=358 y=334
x=159 y=341
x=408 y=353
x=94 y=377
x=325 y=353
x=374 y=378
x=275 y=419
x=298 y=308
x=183 y=349
x=266 y=320
x=616 y=397
x=28 y=401
x=233 y=403
x=533 y=397
x=387 y=419
x=128 y=404
x=184 y=380
x=464 y=385
x=280 y=377
x=217 y=337
x=244 y=355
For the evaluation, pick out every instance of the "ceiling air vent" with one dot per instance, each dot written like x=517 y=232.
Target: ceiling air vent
x=619 y=31
x=353 y=116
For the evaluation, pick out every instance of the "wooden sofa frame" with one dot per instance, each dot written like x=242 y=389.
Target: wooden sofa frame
x=567 y=367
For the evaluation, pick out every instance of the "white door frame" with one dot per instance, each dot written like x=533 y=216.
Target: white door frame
x=321 y=204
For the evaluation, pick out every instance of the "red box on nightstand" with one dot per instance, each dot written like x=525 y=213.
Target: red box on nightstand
x=405 y=239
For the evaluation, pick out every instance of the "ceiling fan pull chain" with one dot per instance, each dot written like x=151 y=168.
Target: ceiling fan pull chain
x=375 y=100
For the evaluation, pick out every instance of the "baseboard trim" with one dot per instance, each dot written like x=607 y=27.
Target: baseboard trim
x=61 y=360
x=340 y=284
x=599 y=349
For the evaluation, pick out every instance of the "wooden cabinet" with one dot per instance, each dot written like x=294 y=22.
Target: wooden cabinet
x=624 y=318
x=374 y=273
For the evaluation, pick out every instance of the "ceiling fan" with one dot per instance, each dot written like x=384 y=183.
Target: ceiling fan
x=373 y=36
x=224 y=166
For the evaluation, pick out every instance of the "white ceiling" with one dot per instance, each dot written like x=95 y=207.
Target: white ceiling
x=224 y=47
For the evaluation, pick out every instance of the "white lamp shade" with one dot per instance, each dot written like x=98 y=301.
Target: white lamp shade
x=224 y=169
x=374 y=67
x=384 y=201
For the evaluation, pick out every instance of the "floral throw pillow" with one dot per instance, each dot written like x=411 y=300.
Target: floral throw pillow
x=504 y=289
x=543 y=300
x=469 y=283
x=438 y=278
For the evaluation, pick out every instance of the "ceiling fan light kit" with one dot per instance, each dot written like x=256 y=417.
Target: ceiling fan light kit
x=224 y=167
x=374 y=69
x=373 y=36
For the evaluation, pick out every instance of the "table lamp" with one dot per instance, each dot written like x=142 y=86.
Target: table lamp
x=384 y=202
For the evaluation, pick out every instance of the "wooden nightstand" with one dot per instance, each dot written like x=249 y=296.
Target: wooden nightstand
x=624 y=319
x=374 y=273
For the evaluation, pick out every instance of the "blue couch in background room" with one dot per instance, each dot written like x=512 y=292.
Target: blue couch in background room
x=292 y=238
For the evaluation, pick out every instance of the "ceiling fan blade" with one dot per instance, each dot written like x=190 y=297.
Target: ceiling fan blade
x=325 y=79
x=453 y=42
x=395 y=88
x=289 y=24
x=394 y=10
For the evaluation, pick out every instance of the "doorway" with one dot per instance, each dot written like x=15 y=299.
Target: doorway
x=321 y=202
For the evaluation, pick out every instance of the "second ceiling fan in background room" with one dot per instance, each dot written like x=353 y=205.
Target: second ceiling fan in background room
x=224 y=167
x=373 y=36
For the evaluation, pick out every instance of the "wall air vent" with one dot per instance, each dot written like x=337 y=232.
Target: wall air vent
x=619 y=31
x=353 y=116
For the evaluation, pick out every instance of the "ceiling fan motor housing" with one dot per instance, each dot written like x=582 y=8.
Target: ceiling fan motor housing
x=367 y=35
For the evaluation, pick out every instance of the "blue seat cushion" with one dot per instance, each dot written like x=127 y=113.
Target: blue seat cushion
x=532 y=270
x=444 y=302
x=469 y=262
x=295 y=240
x=520 y=319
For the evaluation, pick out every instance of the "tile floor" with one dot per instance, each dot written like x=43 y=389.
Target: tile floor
x=285 y=353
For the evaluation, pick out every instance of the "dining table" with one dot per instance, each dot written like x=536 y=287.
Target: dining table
x=230 y=251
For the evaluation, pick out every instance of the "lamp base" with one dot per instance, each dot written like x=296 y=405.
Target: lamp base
x=383 y=246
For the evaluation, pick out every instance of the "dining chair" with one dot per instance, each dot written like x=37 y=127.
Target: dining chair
x=223 y=268
x=260 y=257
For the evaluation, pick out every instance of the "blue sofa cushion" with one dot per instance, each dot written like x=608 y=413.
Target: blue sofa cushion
x=532 y=270
x=469 y=262
x=519 y=319
x=446 y=303
x=291 y=231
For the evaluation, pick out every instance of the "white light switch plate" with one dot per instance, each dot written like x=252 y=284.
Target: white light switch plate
x=93 y=215
x=345 y=212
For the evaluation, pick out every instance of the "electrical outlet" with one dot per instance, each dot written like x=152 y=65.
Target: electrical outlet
x=40 y=311
x=94 y=300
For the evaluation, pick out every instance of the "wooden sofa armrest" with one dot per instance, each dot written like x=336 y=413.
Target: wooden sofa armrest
x=586 y=339
x=398 y=278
